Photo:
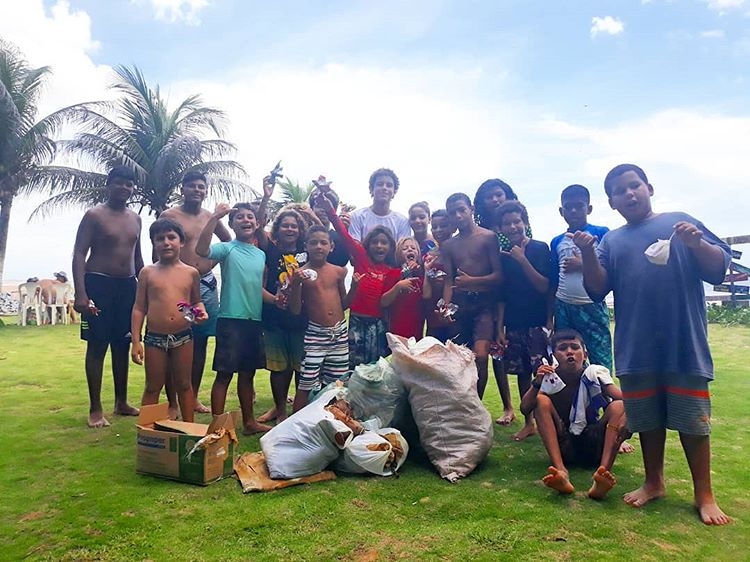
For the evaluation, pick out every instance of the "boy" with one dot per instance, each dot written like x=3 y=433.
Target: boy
x=238 y=329
x=522 y=313
x=106 y=259
x=472 y=264
x=383 y=187
x=595 y=440
x=191 y=215
x=323 y=299
x=661 y=343
x=338 y=255
x=574 y=309
x=169 y=338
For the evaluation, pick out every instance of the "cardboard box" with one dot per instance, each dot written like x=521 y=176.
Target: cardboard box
x=163 y=447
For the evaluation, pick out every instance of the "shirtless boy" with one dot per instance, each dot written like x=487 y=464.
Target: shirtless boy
x=596 y=440
x=323 y=300
x=106 y=259
x=472 y=260
x=169 y=339
x=193 y=217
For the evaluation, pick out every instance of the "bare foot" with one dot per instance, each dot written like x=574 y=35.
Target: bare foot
x=558 y=480
x=507 y=418
x=267 y=416
x=604 y=481
x=526 y=431
x=97 y=420
x=711 y=514
x=201 y=409
x=255 y=427
x=126 y=410
x=625 y=448
x=643 y=495
x=290 y=399
x=173 y=412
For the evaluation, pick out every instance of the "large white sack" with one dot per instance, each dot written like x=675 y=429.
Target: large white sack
x=357 y=458
x=455 y=429
x=306 y=442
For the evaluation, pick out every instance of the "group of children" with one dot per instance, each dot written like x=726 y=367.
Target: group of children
x=471 y=272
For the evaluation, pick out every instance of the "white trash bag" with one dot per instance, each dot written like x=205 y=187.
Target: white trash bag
x=455 y=429
x=373 y=452
x=306 y=442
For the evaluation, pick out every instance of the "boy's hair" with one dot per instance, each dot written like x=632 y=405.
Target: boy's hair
x=575 y=191
x=331 y=195
x=384 y=172
x=565 y=335
x=165 y=225
x=390 y=258
x=619 y=170
x=194 y=175
x=122 y=172
x=440 y=213
x=511 y=207
x=317 y=228
x=301 y=225
x=246 y=206
x=456 y=197
x=421 y=205
x=482 y=215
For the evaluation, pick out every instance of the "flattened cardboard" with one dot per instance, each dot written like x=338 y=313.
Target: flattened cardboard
x=162 y=447
x=252 y=472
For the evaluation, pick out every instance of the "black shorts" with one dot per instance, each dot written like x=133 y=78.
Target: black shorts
x=114 y=297
x=475 y=317
x=239 y=346
x=584 y=450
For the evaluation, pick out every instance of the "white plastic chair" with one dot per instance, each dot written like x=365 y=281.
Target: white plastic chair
x=58 y=302
x=30 y=297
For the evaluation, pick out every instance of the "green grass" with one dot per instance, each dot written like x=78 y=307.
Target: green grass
x=71 y=493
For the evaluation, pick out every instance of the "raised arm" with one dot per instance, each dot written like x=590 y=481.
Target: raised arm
x=355 y=250
x=262 y=211
x=595 y=278
x=710 y=257
x=203 y=245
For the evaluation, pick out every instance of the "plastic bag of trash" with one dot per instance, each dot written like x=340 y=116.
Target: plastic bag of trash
x=376 y=390
x=380 y=452
x=306 y=442
x=455 y=429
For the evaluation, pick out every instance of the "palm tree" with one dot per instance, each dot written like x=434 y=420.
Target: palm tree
x=138 y=130
x=26 y=145
x=291 y=192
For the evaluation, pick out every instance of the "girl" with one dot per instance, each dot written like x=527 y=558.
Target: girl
x=419 y=220
x=490 y=195
x=373 y=261
x=434 y=278
x=403 y=293
x=283 y=332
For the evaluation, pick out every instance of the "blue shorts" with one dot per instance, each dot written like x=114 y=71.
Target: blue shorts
x=210 y=298
x=167 y=341
x=114 y=297
x=679 y=402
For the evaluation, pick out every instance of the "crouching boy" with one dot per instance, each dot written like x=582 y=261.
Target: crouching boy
x=568 y=417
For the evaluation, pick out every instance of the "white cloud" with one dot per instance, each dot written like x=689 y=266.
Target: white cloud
x=606 y=25
x=712 y=34
x=173 y=11
x=724 y=6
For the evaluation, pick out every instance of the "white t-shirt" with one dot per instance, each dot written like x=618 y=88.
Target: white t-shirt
x=364 y=220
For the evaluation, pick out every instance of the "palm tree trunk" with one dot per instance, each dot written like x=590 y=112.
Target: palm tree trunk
x=6 y=202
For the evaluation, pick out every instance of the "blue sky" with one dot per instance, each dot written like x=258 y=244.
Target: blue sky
x=539 y=93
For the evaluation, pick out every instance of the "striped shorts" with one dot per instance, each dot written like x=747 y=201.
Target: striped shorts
x=326 y=355
x=670 y=401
